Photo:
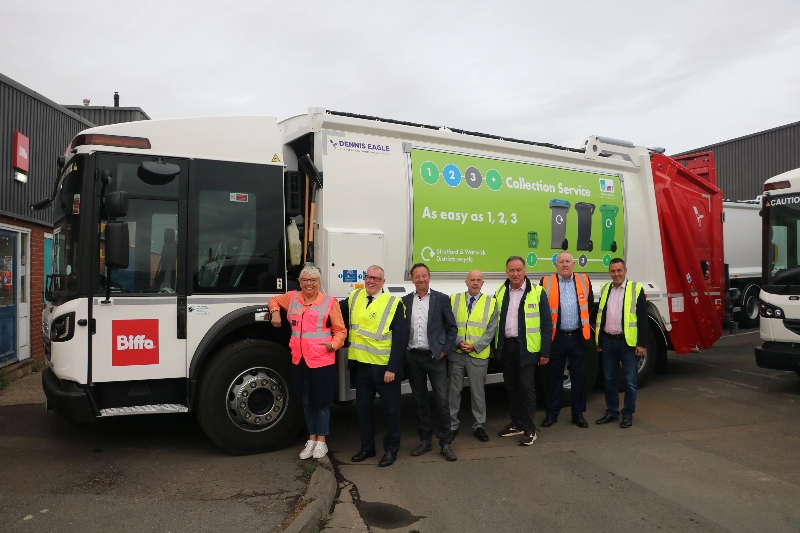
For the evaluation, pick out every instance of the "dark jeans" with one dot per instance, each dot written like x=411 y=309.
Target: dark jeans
x=565 y=348
x=421 y=368
x=615 y=352
x=369 y=380
x=520 y=386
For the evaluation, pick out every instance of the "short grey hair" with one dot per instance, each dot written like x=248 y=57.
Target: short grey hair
x=383 y=273
x=310 y=272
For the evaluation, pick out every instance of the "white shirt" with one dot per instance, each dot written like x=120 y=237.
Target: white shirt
x=512 y=315
x=419 y=322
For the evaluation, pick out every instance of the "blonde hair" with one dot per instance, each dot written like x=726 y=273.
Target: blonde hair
x=310 y=272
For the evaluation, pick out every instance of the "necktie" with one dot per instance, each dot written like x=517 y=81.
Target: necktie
x=369 y=300
x=471 y=301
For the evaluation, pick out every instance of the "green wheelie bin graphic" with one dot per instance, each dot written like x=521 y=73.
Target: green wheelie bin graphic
x=609 y=213
x=558 y=224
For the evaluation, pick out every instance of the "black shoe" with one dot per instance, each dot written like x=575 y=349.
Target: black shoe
x=547 y=422
x=606 y=418
x=424 y=446
x=627 y=422
x=448 y=452
x=481 y=435
x=388 y=459
x=580 y=422
x=360 y=456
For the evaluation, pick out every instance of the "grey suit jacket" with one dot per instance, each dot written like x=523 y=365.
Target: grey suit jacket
x=441 y=322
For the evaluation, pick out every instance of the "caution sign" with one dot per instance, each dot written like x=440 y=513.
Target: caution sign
x=276 y=159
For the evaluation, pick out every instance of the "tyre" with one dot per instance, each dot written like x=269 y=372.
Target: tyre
x=748 y=314
x=244 y=403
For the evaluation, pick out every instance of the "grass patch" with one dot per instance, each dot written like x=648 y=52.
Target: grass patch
x=39 y=365
x=308 y=470
x=5 y=381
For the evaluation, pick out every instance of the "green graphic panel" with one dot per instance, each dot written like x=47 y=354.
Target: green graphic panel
x=473 y=213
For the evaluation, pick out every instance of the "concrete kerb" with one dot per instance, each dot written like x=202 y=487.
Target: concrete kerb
x=320 y=495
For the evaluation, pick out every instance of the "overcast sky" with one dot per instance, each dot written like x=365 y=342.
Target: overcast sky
x=686 y=75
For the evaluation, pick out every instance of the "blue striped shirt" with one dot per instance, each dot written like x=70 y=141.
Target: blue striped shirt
x=569 y=315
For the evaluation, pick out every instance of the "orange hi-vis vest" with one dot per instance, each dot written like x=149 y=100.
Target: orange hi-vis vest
x=582 y=286
x=310 y=330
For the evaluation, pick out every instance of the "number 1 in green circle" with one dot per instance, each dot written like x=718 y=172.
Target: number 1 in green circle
x=429 y=173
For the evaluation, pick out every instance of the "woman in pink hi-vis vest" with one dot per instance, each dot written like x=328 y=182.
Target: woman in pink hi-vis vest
x=318 y=330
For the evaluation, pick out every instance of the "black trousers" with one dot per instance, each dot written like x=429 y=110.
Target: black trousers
x=368 y=381
x=421 y=368
x=520 y=385
x=565 y=348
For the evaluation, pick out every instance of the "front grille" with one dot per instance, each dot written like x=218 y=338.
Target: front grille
x=46 y=343
x=792 y=325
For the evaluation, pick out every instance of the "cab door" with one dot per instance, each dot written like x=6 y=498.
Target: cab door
x=140 y=331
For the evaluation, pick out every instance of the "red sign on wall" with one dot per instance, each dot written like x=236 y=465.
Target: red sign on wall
x=134 y=342
x=21 y=151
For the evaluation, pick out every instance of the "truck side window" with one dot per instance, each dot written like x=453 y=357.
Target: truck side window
x=238 y=228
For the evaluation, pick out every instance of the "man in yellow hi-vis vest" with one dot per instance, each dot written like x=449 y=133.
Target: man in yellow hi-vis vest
x=378 y=338
x=621 y=339
x=476 y=318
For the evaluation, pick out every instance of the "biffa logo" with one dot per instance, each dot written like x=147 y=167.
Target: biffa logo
x=134 y=342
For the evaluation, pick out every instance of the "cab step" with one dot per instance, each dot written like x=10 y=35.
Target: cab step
x=160 y=408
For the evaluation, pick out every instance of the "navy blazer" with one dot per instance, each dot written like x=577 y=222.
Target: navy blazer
x=442 y=329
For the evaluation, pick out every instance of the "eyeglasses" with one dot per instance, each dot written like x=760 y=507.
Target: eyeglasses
x=372 y=278
x=309 y=280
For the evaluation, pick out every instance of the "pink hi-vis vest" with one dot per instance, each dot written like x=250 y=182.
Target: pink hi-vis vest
x=309 y=329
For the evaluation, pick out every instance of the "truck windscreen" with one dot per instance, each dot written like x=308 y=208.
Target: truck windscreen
x=781 y=243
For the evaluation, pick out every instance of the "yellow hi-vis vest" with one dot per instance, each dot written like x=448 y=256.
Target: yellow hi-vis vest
x=533 y=322
x=369 y=335
x=630 y=325
x=472 y=325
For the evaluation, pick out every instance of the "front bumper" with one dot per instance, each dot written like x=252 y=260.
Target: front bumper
x=778 y=356
x=67 y=398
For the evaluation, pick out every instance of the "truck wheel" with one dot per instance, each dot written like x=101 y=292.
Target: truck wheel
x=590 y=246
x=614 y=246
x=564 y=244
x=748 y=315
x=244 y=403
x=647 y=363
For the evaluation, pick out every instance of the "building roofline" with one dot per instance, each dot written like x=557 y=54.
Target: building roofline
x=33 y=94
x=712 y=146
x=110 y=108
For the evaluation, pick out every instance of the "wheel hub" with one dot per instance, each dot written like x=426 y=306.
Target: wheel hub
x=256 y=399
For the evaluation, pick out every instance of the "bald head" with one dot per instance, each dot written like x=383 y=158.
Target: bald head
x=474 y=282
x=565 y=264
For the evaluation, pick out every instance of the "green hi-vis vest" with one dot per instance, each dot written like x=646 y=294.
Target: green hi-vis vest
x=472 y=325
x=370 y=338
x=533 y=322
x=629 y=324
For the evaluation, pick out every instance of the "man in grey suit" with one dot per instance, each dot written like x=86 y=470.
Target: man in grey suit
x=476 y=318
x=432 y=331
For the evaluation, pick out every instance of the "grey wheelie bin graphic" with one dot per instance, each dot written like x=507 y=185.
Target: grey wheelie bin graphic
x=585 y=211
x=558 y=224
x=609 y=213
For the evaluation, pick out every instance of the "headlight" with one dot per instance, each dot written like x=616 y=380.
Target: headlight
x=770 y=311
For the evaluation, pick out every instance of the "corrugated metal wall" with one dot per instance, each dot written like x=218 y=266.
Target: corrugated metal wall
x=50 y=128
x=744 y=164
x=109 y=115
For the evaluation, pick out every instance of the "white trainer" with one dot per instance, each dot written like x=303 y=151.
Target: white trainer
x=320 y=450
x=308 y=451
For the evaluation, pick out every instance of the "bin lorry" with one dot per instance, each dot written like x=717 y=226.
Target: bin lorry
x=741 y=232
x=779 y=300
x=172 y=235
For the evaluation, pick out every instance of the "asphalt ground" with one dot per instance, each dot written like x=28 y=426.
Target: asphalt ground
x=715 y=446
x=139 y=473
